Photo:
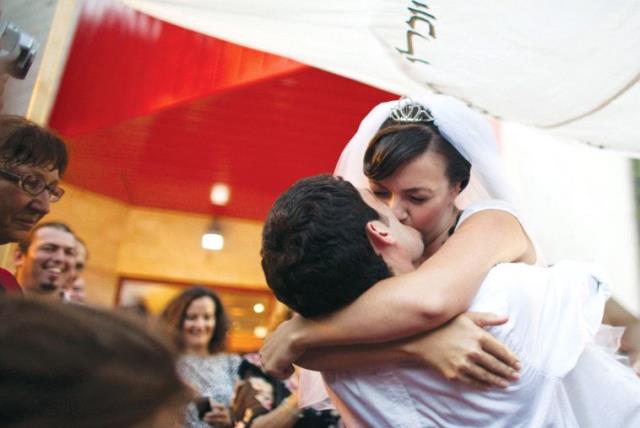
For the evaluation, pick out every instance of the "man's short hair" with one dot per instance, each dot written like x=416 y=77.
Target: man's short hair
x=316 y=255
x=23 y=142
x=24 y=245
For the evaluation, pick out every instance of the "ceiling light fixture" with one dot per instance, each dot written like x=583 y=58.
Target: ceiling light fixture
x=220 y=194
x=260 y=332
x=213 y=239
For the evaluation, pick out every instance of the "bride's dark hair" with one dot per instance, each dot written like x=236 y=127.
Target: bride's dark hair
x=397 y=143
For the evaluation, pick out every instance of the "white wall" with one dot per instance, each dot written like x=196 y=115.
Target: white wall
x=581 y=203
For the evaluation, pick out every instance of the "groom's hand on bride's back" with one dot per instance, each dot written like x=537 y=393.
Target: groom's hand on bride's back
x=462 y=350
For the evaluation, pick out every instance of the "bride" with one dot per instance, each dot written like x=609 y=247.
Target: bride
x=426 y=160
x=416 y=166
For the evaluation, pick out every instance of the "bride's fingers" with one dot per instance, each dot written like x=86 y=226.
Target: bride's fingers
x=483 y=377
x=472 y=381
x=491 y=345
x=495 y=366
x=486 y=319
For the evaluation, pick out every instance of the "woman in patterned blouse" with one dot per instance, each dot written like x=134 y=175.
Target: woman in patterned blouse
x=199 y=318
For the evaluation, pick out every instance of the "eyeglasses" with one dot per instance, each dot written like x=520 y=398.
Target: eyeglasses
x=34 y=185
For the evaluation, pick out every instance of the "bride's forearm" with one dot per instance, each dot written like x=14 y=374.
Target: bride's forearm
x=395 y=308
x=440 y=289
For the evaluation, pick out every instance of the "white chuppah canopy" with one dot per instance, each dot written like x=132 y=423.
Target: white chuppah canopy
x=571 y=67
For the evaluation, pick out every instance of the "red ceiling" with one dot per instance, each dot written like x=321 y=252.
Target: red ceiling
x=154 y=114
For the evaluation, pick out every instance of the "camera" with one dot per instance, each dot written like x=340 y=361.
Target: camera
x=17 y=50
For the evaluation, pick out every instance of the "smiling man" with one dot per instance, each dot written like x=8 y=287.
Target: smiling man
x=46 y=260
x=32 y=160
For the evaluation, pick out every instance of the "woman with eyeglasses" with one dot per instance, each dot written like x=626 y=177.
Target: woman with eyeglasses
x=32 y=161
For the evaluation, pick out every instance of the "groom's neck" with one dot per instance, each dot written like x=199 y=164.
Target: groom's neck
x=398 y=261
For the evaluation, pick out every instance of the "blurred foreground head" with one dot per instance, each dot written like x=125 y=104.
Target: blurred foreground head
x=74 y=366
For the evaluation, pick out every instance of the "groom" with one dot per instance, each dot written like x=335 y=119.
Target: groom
x=324 y=244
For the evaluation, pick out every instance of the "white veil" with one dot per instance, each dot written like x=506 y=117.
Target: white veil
x=465 y=129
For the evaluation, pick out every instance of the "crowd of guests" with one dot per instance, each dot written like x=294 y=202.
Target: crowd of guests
x=64 y=363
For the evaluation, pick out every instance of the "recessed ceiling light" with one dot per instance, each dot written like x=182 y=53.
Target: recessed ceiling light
x=220 y=194
x=212 y=241
x=258 y=308
x=260 y=331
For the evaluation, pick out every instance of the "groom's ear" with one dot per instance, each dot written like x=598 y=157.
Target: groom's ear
x=379 y=235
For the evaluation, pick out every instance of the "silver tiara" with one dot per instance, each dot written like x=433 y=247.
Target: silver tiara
x=409 y=111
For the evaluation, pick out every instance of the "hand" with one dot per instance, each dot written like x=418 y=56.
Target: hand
x=462 y=350
x=218 y=417
x=292 y=400
x=616 y=315
x=290 y=406
x=634 y=362
x=631 y=345
x=282 y=347
x=286 y=415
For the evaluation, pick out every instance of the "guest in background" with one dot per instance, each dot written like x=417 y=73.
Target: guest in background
x=80 y=367
x=262 y=401
x=45 y=261
x=77 y=286
x=198 y=317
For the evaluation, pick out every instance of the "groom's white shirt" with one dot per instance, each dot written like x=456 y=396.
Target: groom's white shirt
x=553 y=315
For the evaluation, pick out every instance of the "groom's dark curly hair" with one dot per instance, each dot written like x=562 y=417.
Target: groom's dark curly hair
x=315 y=252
